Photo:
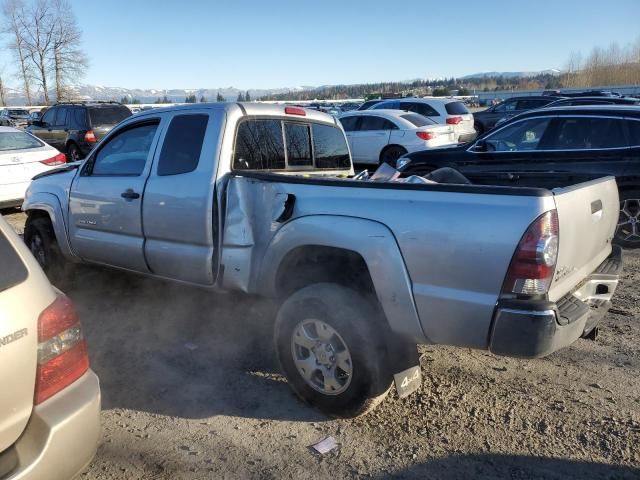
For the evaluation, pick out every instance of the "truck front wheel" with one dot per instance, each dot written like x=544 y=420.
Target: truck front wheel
x=39 y=237
x=330 y=347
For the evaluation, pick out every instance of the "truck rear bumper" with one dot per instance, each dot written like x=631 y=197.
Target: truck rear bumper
x=531 y=329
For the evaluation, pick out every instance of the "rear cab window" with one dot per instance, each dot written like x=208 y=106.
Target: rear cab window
x=13 y=271
x=108 y=115
x=272 y=144
x=456 y=108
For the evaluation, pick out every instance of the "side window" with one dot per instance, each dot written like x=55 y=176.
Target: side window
x=505 y=107
x=125 y=153
x=61 y=117
x=634 y=132
x=259 y=146
x=330 y=147
x=421 y=108
x=519 y=136
x=373 y=123
x=49 y=116
x=349 y=123
x=585 y=133
x=182 y=144
x=298 y=138
x=80 y=118
x=531 y=104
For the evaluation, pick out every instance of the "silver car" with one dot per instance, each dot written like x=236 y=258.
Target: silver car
x=50 y=401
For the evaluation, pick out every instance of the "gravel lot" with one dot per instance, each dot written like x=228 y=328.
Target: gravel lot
x=191 y=390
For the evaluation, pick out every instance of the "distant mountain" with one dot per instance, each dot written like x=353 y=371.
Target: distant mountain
x=102 y=93
x=551 y=71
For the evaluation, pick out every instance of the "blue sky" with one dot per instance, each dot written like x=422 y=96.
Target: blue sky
x=267 y=43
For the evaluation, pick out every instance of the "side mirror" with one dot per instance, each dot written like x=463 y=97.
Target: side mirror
x=480 y=146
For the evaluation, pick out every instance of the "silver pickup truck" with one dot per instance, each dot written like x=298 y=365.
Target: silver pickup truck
x=262 y=199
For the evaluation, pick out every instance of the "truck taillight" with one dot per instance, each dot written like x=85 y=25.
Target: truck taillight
x=62 y=350
x=534 y=262
x=454 y=120
x=425 y=135
x=90 y=137
x=295 y=111
x=59 y=159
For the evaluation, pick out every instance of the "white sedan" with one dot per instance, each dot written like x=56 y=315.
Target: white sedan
x=22 y=156
x=382 y=136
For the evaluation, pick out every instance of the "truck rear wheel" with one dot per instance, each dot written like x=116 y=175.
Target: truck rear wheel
x=39 y=237
x=331 y=350
x=628 y=230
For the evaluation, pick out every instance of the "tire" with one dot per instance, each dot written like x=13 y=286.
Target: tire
x=391 y=154
x=355 y=342
x=74 y=153
x=39 y=237
x=628 y=230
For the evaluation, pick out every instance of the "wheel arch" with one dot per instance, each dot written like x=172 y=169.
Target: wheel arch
x=388 y=146
x=42 y=204
x=336 y=247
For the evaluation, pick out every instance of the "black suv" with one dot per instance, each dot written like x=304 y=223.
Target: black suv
x=485 y=120
x=581 y=142
x=74 y=128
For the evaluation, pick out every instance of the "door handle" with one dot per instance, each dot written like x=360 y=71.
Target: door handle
x=129 y=194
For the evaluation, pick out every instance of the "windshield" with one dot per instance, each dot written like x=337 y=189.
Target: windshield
x=18 y=141
x=19 y=113
x=108 y=115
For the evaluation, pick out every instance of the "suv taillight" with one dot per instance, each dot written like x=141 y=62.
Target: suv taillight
x=90 y=137
x=454 y=120
x=59 y=159
x=62 y=350
x=534 y=262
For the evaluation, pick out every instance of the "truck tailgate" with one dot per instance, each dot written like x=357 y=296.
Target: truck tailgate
x=588 y=215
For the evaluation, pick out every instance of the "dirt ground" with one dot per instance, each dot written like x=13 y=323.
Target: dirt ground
x=191 y=390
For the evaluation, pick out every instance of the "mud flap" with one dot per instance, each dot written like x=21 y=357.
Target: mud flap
x=408 y=381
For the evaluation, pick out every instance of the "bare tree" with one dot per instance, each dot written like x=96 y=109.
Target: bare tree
x=68 y=60
x=38 y=25
x=3 y=90
x=14 y=12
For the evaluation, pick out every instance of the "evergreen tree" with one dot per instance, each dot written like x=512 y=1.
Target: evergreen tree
x=220 y=98
x=203 y=99
x=247 y=97
x=240 y=97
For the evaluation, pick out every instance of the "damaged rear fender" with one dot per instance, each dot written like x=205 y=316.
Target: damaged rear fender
x=373 y=241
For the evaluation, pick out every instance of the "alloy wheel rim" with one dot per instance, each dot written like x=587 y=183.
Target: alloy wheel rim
x=629 y=220
x=321 y=357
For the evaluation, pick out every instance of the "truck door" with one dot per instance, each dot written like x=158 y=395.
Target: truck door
x=105 y=207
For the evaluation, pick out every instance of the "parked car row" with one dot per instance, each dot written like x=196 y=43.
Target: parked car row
x=569 y=141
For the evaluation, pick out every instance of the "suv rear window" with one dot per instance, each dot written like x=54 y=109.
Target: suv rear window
x=108 y=115
x=13 y=271
x=417 y=119
x=456 y=108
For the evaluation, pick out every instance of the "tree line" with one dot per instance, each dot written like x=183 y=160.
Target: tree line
x=44 y=38
x=614 y=65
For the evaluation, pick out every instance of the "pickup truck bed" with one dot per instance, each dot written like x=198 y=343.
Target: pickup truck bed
x=363 y=271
